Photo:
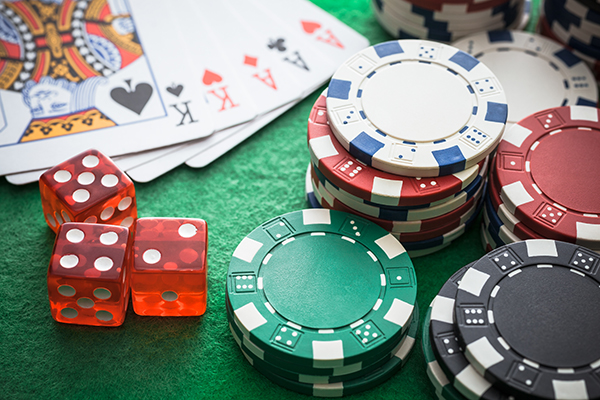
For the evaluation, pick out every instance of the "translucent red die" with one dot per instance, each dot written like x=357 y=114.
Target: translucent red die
x=88 y=274
x=87 y=188
x=168 y=274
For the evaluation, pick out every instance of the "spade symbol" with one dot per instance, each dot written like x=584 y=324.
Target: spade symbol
x=135 y=99
x=175 y=90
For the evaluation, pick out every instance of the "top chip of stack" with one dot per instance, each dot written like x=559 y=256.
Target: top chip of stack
x=448 y=20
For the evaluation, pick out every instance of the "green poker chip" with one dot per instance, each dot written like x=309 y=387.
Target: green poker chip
x=443 y=387
x=313 y=376
x=352 y=386
x=321 y=288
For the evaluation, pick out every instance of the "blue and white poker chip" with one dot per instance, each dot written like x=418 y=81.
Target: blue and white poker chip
x=416 y=108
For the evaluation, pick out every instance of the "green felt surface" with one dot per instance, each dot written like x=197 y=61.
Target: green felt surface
x=195 y=358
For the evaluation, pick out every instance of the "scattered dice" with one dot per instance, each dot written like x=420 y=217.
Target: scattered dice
x=168 y=274
x=87 y=188
x=88 y=274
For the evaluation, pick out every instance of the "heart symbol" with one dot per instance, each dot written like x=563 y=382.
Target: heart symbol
x=175 y=90
x=310 y=27
x=28 y=65
x=210 y=77
x=135 y=100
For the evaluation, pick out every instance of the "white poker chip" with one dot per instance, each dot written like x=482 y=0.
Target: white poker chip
x=536 y=73
x=416 y=108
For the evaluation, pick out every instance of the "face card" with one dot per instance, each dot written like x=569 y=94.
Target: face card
x=92 y=73
x=324 y=31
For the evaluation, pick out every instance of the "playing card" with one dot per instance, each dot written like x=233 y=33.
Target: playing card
x=324 y=31
x=106 y=75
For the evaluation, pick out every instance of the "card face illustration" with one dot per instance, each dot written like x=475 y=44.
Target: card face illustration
x=90 y=73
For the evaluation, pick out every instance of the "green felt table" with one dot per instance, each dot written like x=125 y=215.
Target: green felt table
x=195 y=358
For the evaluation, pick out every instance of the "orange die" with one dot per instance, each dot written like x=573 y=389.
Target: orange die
x=168 y=274
x=87 y=188
x=87 y=277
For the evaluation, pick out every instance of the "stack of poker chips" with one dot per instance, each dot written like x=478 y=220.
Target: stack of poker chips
x=322 y=302
x=576 y=24
x=448 y=20
x=385 y=146
x=519 y=323
x=544 y=180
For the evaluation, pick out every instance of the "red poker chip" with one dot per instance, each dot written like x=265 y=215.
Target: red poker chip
x=368 y=183
x=522 y=231
x=407 y=231
x=547 y=172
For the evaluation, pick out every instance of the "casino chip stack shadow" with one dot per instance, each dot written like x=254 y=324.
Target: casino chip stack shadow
x=387 y=146
x=449 y=20
x=519 y=323
x=322 y=302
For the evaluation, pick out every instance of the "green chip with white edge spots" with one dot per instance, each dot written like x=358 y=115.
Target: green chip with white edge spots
x=321 y=288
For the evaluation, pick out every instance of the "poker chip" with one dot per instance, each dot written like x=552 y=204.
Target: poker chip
x=378 y=187
x=321 y=289
x=536 y=73
x=352 y=386
x=558 y=202
x=447 y=21
x=440 y=213
x=381 y=101
x=309 y=192
x=525 y=318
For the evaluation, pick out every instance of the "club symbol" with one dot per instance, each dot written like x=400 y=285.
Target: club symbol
x=277 y=44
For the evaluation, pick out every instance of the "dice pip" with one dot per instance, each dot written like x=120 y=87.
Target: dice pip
x=168 y=274
x=88 y=274
x=87 y=188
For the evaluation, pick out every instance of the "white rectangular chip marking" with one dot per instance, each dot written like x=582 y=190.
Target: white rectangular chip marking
x=286 y=241
x=378 y=304
x=405 y=349
x=249 y=317
x=390 y=245
x=325 y=331
x=259 y=283
x=565 y=370
x=473 y=281
x=471 y=381
x=267 y=258
x=588 y=234
x=323 y=147
x=440 y=375
x=595 y=364
x=328 y=350
x=247 y=249
x=253 y=348
x=406 y=226
x=483 y=351
x=386 y=188
x=577 y=272
x=570 y=389
x=541 y=248
x=399 y=312
x=317 y=234
x=270 y=307
x=348 y=239
x=506 y=217
x=545 y=266
x=328 y=390
x=293 y=325
x=464 y=174
x=584 y=113
x=248 y=358
x=515 y=272
x=443 y=310
x=490 y=316
x=507 y=236
x=559 y=206
x=316 y=216
x=313 y=379
x=532 y=364
x=495 y=291
x=372 y=256
x=357 y=323
x=503 y=343
x=347 y=369
x=235 y=336
x=382 y=280
x=516 y=135
x=517 y=194
x=528 y=166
